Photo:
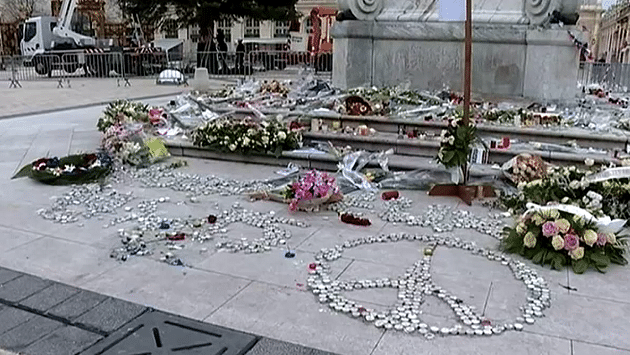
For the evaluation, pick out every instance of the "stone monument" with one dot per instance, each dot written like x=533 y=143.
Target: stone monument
x=515 y=52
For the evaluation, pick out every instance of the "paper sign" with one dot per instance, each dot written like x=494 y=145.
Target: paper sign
x=452 y=10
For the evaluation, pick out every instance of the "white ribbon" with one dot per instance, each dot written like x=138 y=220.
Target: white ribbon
x=609 y=174
x=604 y=224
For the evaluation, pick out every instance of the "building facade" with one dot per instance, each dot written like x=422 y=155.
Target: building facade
x=267 y=34
x=590 y=24
x=614 y=34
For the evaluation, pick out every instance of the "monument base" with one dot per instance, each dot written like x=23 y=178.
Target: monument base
x=508 y=60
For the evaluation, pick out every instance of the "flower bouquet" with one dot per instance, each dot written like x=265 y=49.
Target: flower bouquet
x=455 y=151
x=73 y=169
x=246 y=136
x=307 y=193
x=131 y=146
x=122 y=112
x=558 y=238
x=525 y=168
x=456 y=143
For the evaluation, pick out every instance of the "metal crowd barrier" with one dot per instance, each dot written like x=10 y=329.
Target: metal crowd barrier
x=63 y=66
x=610 y=76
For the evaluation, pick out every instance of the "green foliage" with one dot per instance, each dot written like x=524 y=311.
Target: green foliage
x=204 y=12
x=456 y=144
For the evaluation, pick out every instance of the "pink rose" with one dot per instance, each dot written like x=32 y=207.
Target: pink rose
x=601 y=239
x=549 y=229
x=571 y=242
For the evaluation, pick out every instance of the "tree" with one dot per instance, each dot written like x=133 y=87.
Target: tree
x=18 y=10
x=205 y=12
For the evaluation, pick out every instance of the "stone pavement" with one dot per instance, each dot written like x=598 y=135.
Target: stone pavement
x=44 y=95
x=263 y=294
x=43 y=317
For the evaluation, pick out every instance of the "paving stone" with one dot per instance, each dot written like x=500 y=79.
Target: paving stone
x=76 y=305
x=268 y=346
x=111 y=315
x=22 y=287
x=18 y=338
x=7 y=275
x=49 y=297
x=12 y=317
x=67 y=340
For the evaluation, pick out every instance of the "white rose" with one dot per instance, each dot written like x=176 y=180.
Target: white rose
x=232 y=147
x=282 y=136
x=451 y=140
x=574 y=184
x=589 y=162
x=245 y=141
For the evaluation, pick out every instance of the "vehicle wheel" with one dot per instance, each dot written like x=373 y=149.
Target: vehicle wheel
x=72 y=65
x=42 y=65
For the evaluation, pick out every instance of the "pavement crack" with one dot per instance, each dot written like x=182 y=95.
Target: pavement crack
x=378 y=342
x=228 y=300
x=485 y=304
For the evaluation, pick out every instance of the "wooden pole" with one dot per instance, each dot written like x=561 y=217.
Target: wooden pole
x=467 y=74
x=467 y=61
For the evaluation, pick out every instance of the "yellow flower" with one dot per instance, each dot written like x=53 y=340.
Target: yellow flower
x=521 y=228
x=590 y=237
x=563 y=225
x=529 y=240
x=577 y=253
x=557 y=242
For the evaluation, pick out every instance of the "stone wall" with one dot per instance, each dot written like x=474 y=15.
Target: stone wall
x=511 y=60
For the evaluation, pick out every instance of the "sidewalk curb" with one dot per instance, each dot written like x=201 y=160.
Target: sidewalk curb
x=67 y=108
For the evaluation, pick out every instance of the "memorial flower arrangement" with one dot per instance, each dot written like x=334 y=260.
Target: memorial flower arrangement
x=246 y=136
x=570 y=185
x=559 y=238
x=123 y=112
x=456 y=143
x=72 y=169
x=129 y=144
x=311 y=190
x=525 y=168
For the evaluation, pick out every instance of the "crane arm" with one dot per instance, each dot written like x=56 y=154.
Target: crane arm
x=64 y=25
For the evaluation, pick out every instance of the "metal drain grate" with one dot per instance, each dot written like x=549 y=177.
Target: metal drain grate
x=157 y=333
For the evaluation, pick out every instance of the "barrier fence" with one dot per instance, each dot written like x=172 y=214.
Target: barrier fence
x=165 y=68
x=610 y=76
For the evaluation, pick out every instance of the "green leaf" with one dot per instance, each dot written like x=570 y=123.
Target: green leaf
x=539 y=257
x=600 y=259
x=448 y=155
x=558 y=261
x=26 y=171
x=579 y=266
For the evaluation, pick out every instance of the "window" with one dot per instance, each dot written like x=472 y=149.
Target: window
x=282 y=29
x=309 y=26
x=30 y=30
x=225 y=25
x=169 y=28
x=252 y=28
x=194 y=35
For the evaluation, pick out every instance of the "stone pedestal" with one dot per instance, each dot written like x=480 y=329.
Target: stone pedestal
x=405 y=43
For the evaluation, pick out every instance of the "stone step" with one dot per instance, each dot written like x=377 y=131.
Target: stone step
x=553 y=135
x=328 y=162
x=429 y=148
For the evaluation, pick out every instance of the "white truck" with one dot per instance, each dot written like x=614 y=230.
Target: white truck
x=49 y=43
